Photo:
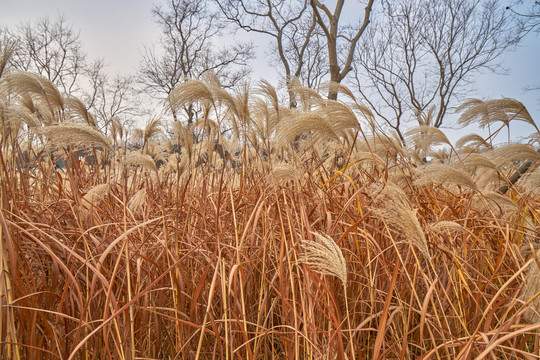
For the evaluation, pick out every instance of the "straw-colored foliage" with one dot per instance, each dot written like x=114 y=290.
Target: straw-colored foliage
x=255 y=231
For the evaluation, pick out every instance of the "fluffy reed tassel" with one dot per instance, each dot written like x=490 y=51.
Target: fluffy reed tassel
x=142 y=160
x=93 y=197
x=474 y=160
x=531 y=181
x=532 y=287
x=472 y=140
x=333 y=86
x=17 y=114
x=266 y=89
x=426 y=136
x=484 y=113
x=446 y=226
x=440 y=173
x=324 y=256
x=397 y=211
x=297 y=125
x=382 y=144
x=339 y=115
x=189 y=92
x=75 y=134
x=514 y=152
x=307 y=95
x=38 y=87
x=96 y=193
x=500 y=200
x=282 y=173
x=78 y=111
x=137 y=200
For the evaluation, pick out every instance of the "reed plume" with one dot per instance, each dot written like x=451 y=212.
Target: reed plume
x=151 y=130
x=395 y=209
x=19 y=114
x=339 y=115
x=324 y=256
x=446 y=226
x=484 y=113
x=44 y=96
x=117 y=129
x=531 y=290
x=143 y=160
x=77 y=111
x=474 y=141
x=7 y=48
x=510 y=153
x=137 y=201
x=281 y=173
x=531 y=181
x=189 y=92
x=292 y=127
x=184 y=138
x=93 y=197
x=332 y=86
x=444 y=174
x=383 y=145
x=66 y=134
x=266 y=89
x=473 y=161
x=425 y=136
x=426 y=118
x=501 y=201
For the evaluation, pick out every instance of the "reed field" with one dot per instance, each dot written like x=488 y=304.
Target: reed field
x=263 y=232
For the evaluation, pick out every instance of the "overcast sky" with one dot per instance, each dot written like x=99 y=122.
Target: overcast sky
x=116 y=31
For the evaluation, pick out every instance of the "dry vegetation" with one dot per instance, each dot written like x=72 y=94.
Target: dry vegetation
x=297 y=234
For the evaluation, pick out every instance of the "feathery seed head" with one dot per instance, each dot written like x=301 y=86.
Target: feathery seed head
x=472 y=140
x=189 y=92
x=281 y=173
x=531 y=288
x=143 y=160
x=486 y=112
x=66 y=134
x=137 y=200
x=324 y=256
x=425 y=136
x=396 y=210
x=292 y=127
x=441 y=173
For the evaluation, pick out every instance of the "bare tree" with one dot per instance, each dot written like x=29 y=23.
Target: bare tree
x=109 y=98
x=52 y=49
x=341 y=42
x=296 y=45
x=529 y=15
x=188 y=50
x=423 y=53
x=7 y=48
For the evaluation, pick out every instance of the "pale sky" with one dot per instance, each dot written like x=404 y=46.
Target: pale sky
x=116 y=31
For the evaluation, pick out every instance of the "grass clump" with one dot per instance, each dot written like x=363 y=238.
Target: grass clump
x=261 y=244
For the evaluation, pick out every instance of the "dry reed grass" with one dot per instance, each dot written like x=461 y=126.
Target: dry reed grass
x=209 y=261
